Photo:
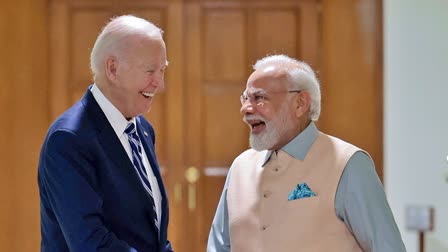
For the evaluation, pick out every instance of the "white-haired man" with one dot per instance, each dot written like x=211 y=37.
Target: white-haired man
x=99 y=180
x=298 y=189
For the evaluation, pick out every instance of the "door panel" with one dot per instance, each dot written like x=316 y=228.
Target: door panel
x=351 y=74
x=224 y=45
x=225 y=134
x=275 y=31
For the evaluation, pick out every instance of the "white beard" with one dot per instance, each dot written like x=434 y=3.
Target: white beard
x=274 y=130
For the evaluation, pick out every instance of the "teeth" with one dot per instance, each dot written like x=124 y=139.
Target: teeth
x=148 y=94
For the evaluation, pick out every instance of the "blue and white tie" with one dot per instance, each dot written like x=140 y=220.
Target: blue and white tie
x=136 y=147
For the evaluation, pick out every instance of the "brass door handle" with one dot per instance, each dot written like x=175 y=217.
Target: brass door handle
x=192 y=176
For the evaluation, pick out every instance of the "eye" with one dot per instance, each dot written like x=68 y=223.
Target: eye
x=258 y=98
x=150 y=72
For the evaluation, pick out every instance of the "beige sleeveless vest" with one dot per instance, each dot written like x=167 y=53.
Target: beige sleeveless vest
x=261 y=218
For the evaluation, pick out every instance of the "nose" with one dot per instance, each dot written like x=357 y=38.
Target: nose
x=247 y=108
x=159 y=81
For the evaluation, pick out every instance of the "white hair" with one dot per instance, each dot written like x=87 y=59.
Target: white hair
x=300 y=76
x=114 y=37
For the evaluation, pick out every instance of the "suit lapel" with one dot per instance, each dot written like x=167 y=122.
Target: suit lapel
x=104 y=130
x=113 y=147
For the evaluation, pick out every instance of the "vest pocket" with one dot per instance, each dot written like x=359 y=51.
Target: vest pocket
x=304 y=207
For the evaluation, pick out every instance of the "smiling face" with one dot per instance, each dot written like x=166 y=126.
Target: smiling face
x=267 y=134
x=272 y=121
x=135 y=78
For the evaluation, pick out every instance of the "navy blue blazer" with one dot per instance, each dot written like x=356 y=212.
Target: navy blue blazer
x=91 y=198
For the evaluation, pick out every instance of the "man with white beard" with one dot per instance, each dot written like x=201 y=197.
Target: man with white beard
x=298 y=189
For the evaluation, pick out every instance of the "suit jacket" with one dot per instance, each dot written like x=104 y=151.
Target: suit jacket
x=91 y=198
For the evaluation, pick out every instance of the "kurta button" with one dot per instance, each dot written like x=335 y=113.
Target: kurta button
x=276 y=169
x=264 y=228
x=266 y=194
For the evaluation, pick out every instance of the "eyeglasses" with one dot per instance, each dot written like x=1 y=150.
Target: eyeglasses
x=258 y=98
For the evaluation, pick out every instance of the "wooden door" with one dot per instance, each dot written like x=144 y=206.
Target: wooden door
x=223 y=40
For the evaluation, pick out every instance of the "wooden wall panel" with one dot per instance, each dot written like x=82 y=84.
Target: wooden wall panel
x=224 y=45
x=23 y=109
x=193 y=115
x=225 y=133
x=310 y=14
x=275 y=31
x=58 y=86
x=6 y=100
x=223 y=81
x=85 y=26
x=351 y=74
x=173 y=118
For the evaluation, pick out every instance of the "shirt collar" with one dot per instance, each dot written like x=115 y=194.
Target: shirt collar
x=113 y=115
x=299 y=146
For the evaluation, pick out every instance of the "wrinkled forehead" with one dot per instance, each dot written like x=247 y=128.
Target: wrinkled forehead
x=267 y=79
x=148 y=51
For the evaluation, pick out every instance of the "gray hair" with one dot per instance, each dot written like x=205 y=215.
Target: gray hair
x=300 y=76
x=113 y=39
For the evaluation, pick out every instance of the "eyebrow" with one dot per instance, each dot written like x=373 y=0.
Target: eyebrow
x=256 y=91
x=153 y=65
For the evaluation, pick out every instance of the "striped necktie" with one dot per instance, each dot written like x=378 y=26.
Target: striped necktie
x=137 y=160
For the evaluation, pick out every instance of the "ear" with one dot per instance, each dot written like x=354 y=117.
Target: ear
x=111 y=67
x=303 y=103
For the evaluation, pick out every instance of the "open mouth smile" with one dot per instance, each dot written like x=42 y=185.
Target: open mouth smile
x=147 y=94
x=256 y=126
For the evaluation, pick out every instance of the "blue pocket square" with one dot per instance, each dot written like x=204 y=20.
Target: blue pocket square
x=301 y=191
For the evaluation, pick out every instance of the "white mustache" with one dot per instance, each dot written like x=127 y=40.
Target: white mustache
x=253 y=117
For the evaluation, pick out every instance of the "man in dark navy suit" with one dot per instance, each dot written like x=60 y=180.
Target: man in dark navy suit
x=99 y=180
